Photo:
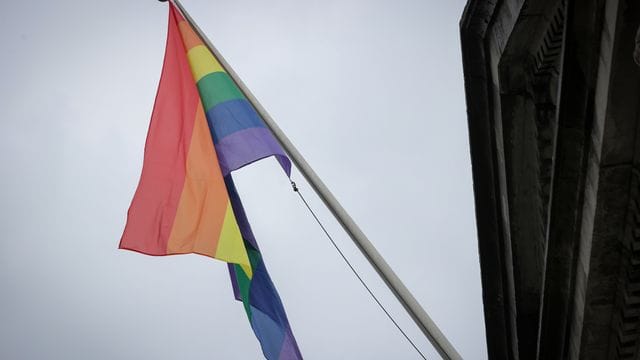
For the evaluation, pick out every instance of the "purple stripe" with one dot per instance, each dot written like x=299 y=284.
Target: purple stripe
x=246 y=146
x=234 y=281
x=289 y=349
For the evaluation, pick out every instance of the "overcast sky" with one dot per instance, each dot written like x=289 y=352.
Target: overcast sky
x=371 y=92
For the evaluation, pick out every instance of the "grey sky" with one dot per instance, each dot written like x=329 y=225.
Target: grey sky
x=371 y=92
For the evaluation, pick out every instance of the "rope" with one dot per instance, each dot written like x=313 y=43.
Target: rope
x=297 y=191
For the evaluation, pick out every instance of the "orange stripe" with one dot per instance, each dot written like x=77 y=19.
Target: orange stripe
x=152 y=212
x=204 y=200
x=189 y=37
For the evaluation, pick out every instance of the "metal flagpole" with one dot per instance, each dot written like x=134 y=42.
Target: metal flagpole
x=417 y=313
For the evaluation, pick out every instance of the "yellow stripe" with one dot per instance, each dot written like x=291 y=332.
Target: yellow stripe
x=231 y=246
x=202 y=62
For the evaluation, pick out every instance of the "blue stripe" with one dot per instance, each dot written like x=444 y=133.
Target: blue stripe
x=231 y=116
x=263 y=294
x=270 y=333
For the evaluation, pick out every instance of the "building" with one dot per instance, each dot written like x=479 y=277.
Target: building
x=553 y=98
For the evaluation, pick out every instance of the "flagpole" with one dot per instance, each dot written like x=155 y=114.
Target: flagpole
x=408 y=301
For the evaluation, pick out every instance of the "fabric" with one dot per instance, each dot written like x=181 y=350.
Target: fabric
x=258 y=294
x=239 y=134
x=181 y=204
x=202 y=128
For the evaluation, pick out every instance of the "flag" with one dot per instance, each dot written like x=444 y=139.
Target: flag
x=258 y=294
x=239 y=134
x=202 y=128
x=181 y=204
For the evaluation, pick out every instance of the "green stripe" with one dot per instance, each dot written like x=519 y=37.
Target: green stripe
x=217 y=87
x=243 y=285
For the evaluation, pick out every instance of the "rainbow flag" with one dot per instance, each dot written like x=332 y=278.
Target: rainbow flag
x=258 y=294
x=202 y=128
x=239 y=134
x=181 y=204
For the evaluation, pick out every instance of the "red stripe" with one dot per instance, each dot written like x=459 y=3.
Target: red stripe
x=153 y=209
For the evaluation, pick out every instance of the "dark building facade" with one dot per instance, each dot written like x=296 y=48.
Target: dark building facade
x=553 y=102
